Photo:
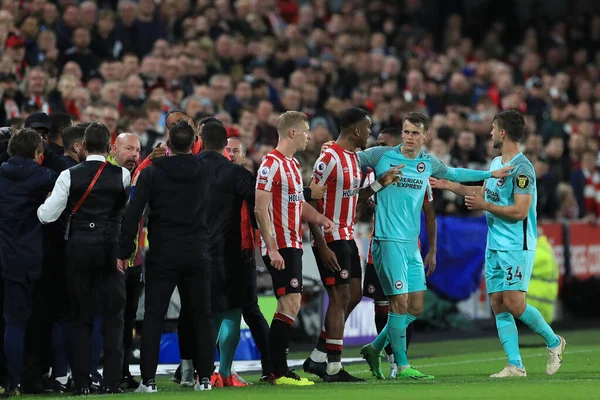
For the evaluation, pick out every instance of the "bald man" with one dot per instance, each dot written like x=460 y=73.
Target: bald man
x=126 y=153
x=126 y=150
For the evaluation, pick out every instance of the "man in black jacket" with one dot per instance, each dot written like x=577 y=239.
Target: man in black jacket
x=230 y=186
x=174 y=188
x=24 y=185
x=95 y=193
x=49 y=297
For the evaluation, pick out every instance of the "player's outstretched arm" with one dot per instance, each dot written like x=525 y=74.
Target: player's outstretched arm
x=455 y=187
x=442 y=171
x=311 y=215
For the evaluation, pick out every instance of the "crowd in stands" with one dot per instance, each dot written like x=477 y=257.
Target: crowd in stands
x=126 y=63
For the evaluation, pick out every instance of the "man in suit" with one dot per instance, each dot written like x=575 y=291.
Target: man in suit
x=24 y=185
x=174 y=188
x=95 y=193
x=231 y=185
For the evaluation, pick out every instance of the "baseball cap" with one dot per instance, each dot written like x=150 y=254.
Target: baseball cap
x=38 y=120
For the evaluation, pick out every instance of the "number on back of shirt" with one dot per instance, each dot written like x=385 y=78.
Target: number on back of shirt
x=518 y=274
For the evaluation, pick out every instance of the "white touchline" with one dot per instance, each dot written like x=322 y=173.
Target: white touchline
x=481 y=360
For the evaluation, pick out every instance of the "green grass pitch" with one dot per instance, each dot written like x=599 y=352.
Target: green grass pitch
x=461 y=368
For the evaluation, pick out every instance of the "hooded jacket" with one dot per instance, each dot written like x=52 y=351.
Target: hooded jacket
x=24 y=185
x=174 y=188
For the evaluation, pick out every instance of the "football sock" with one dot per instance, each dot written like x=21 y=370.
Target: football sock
x=334 y=355
x=509 y=337
x=381 y=316
x=409 y=319
x=319 y=353
x=382 y=339
x=229 y=337
x=397 y=334
x=281 y=329
x=533 y=319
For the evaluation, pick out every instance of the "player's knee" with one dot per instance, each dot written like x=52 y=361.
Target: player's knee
x=514 y=302
x=415 y=311
x=289 y=304
x=399 y=304
x=339 y=295
x=497 y=302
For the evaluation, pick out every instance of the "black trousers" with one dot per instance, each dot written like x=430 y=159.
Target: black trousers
x=259 y=327
x=133 y=291
x=90 y=266
x=193 y=282
x=50 y=304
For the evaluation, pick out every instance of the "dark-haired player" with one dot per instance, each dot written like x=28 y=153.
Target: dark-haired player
x=510 y=204
x=336 y=253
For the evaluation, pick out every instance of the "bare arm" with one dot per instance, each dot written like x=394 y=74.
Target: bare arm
x=263 y=219
x=431 y=226
x=516 y=212
x=456 y=188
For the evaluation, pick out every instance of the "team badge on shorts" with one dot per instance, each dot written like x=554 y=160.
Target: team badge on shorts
x=371 y=289
x=344 y=274
x=294 y=283
x=264 y=172
x=522 y=181
x=421 y=167
x=500 y=182
x=398 y=285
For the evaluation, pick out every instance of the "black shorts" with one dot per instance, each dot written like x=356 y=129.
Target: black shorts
x=288 y=280
x=348 y=259
x=372 y=286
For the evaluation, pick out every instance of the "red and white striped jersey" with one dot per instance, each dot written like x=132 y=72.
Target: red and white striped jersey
x=428 y=198
x=339 y=170
x=281 y=176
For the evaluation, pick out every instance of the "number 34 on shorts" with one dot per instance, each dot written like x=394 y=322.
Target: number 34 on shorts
x=508 y=270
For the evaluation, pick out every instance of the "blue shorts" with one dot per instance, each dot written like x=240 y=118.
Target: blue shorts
x=399 y=267
x=508 y=270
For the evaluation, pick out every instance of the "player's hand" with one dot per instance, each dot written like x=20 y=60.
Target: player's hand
x=441 y=184
x=391 y=176
x=328 y=225
x=316 y=191
x=329 y=259
x=276 y=260
x=502 y=172
x=326 y=145
x=430 y=262
x=159 y=151
x=475 y=202
x=122 y=265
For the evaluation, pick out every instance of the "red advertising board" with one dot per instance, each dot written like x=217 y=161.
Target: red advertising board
x=584 y=246
x=585 y=250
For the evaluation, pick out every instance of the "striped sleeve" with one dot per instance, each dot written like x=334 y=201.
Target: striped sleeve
x=267 y=174
x=324 y=169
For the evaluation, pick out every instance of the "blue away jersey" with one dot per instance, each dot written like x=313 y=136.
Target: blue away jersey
x=398 y=216
x=505 y=234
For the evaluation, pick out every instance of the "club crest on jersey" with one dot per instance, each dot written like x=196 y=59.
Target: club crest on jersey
x=500 y=182
x=344 y=274
x=398 y=285
x=421 y=167
x=371 y=289
x=294 y=283
x=264 y=172
x=522 y=181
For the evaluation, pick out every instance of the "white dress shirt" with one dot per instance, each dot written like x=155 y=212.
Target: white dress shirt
x=54 y=205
